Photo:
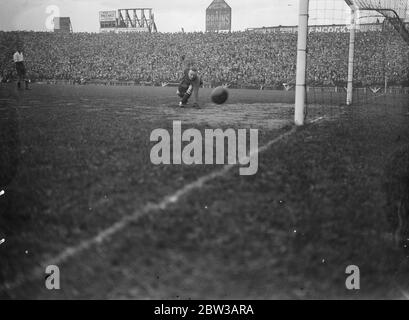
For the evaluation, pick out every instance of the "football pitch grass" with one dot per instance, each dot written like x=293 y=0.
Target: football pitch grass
x=81 y=192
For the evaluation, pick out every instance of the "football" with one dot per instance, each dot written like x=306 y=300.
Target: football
x=219 y=95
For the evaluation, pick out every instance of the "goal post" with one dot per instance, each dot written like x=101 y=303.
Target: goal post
x=301 y=84
x=349 y=51
x=352 y=30
x=395 y=11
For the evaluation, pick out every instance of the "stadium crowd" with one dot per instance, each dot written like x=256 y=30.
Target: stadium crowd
x=238 y=58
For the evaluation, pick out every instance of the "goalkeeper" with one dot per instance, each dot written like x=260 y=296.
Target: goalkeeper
x=189 y=86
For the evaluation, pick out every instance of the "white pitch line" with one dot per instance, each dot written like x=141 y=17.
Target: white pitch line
x=125 y=221
x=405 y=294
x=317 y=120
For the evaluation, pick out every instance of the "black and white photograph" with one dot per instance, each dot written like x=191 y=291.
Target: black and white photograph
x=228 y=151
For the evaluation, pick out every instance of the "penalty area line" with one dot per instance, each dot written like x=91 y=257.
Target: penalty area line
x=70 y=252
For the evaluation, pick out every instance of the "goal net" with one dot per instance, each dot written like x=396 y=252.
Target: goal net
x=356 y=52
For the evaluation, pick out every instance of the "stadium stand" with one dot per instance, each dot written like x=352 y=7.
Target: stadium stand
x=241 y=59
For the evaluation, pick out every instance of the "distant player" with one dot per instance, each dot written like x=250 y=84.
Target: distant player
x=18 y=59
x=189 y=86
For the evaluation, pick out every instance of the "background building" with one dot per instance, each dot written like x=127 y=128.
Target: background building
x=62 y=24
x=218 y=16
x=127 y=20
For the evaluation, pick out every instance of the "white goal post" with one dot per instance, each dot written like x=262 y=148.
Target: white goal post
x=396 y=11
x=301 y=84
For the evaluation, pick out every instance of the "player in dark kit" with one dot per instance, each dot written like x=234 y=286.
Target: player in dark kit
x=189 y=85
x=18 y=59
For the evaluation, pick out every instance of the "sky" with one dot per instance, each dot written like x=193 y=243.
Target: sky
x=170 y=15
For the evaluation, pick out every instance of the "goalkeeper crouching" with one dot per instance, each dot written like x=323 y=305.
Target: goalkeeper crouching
x=189 y=86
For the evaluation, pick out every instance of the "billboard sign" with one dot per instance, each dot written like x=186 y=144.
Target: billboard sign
x=107 y=16
x=138 y=29
x=218 y=16
x=108 y=30
x=366 y=27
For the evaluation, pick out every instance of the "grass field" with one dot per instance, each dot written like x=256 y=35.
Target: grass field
x=81 y=193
